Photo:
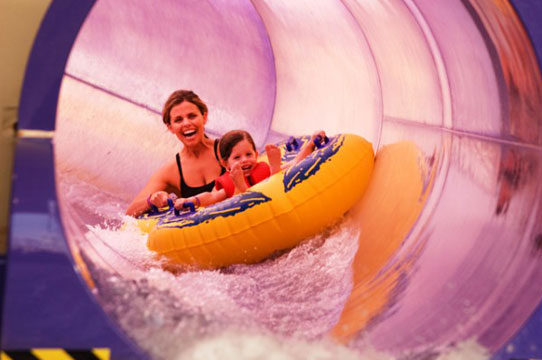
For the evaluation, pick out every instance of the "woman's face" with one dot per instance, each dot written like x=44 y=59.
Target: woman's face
x=243 y=154
x=187 y=123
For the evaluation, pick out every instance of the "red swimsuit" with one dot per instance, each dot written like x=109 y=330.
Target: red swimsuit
x=260 y=172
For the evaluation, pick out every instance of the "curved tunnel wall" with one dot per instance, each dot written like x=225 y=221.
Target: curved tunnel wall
x=362 y=86
x=340 y=90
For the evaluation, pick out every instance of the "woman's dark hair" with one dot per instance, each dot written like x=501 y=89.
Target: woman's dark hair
x=230 y=139
x=178 y=97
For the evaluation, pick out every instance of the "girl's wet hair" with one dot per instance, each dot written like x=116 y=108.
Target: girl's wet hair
x=178 y=97
x=230 y=139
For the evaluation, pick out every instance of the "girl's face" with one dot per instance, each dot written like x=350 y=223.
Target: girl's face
x=243 y=154
x=187 y=123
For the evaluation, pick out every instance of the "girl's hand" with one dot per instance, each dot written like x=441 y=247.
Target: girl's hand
x=238 y=178
x=179 y=203
x=315 y=135
x=159 y=198
x=320 y=133
x=236 y=170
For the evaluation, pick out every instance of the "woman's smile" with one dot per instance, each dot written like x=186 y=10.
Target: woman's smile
x=186 y=121
x=189 y=133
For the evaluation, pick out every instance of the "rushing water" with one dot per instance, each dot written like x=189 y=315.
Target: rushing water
x=281 y=308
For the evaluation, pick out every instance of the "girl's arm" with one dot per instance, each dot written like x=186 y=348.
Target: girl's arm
x=308 y=148
x=203 y=199
x=305 y=151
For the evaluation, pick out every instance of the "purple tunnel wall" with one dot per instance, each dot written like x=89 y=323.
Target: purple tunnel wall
x=459 y=81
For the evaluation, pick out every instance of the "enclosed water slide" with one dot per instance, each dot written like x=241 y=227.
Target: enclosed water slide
x=443 y=253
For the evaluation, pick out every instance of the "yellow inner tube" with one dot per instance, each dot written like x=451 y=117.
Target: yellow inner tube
x=272 y=215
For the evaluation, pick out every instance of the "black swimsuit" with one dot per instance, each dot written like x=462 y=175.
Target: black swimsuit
x=188 y=191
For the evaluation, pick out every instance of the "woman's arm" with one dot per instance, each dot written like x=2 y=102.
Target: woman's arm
x=153 y=193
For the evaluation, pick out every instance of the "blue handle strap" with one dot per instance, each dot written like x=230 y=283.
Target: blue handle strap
x=187 y=205
x=320 y=142
x=292 y=144
x=155 y=210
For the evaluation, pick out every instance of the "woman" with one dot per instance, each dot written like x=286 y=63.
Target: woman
x=196 y=165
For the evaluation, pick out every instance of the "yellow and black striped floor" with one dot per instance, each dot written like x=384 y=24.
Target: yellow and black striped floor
x=55 y=354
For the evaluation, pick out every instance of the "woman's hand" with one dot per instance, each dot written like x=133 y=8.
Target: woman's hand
x=158 y=199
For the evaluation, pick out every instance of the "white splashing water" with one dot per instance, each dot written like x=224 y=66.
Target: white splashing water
x=282 y=308
x=298 y=294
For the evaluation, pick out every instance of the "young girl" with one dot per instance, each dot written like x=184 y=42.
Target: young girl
x=239 y=156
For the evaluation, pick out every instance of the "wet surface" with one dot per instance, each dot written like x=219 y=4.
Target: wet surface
x=445 y=247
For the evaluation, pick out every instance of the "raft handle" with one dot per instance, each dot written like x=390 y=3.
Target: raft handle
x=292 y=144
x=156 y=210
x=319 y=142
x=187 y=205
